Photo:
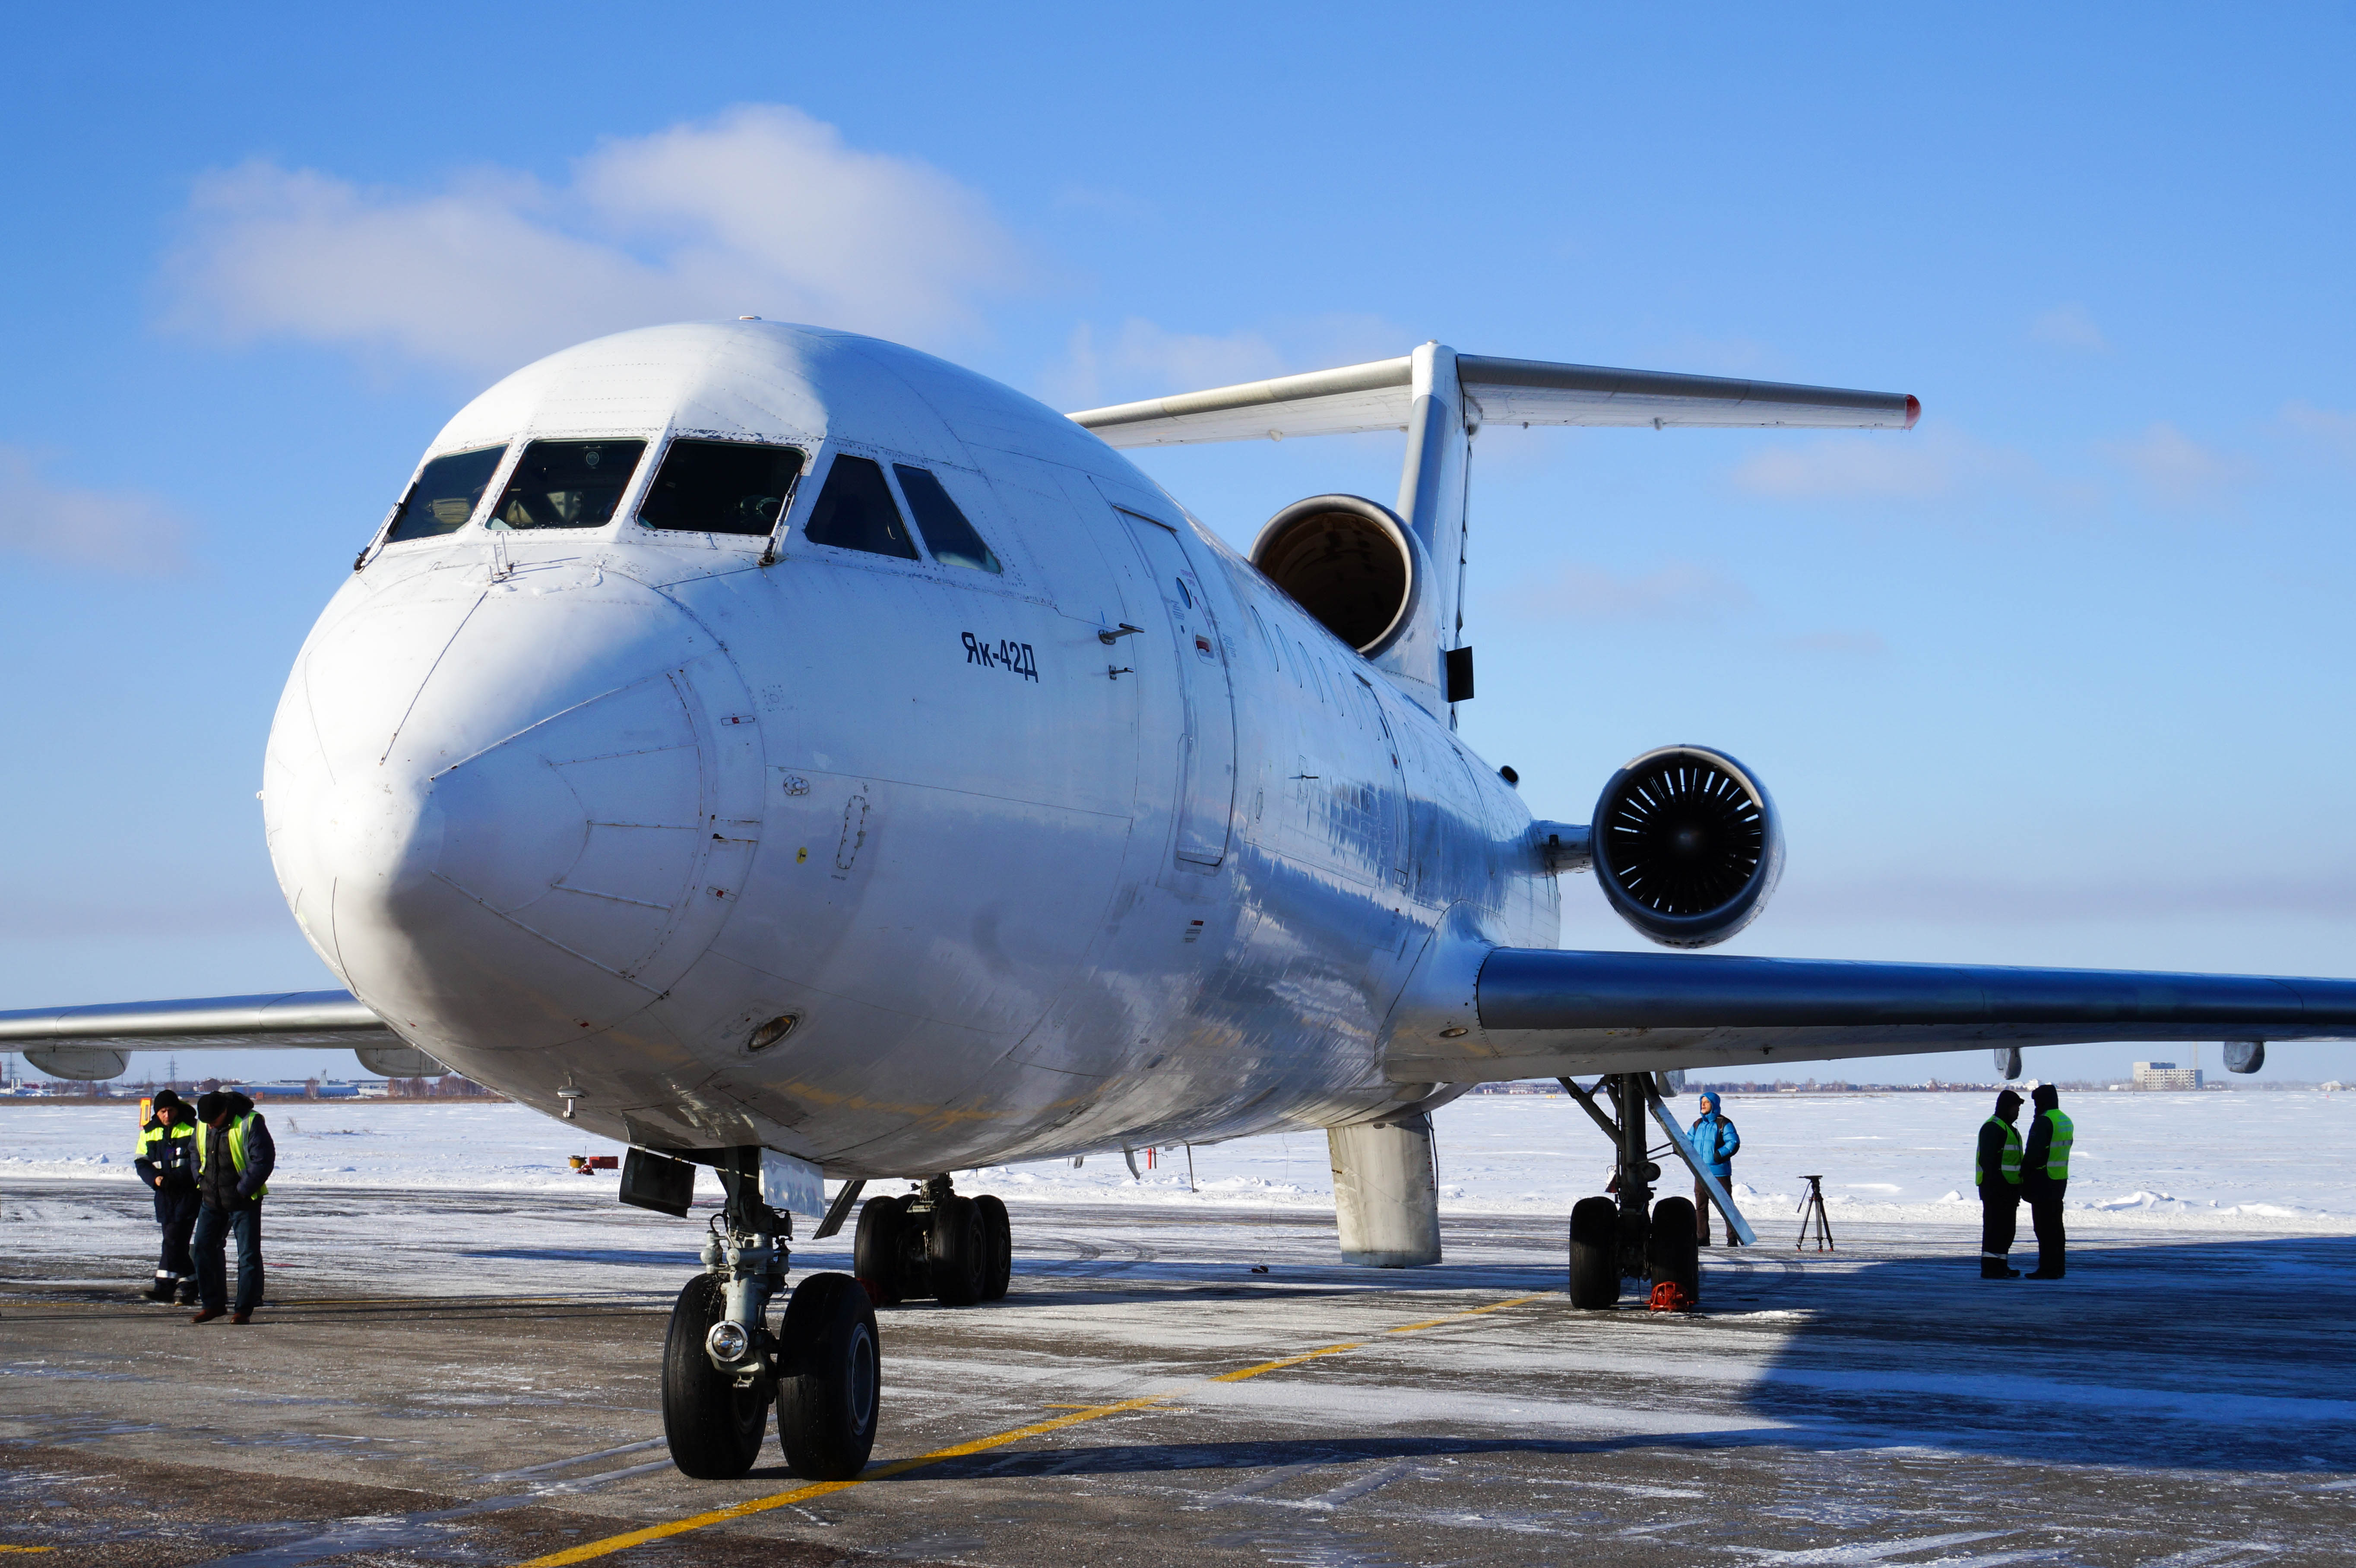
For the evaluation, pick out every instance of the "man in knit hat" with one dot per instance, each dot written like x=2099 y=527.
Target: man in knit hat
x=166 y=1162
x=1997 y=1169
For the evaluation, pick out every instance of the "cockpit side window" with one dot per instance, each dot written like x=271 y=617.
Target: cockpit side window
x=855 y=511
x=566 y=484
x=446 y=492
x=721 y=487
x=951 y=538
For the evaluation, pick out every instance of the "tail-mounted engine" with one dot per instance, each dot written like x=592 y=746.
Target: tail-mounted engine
x=1351 y=563
x=1685 y=844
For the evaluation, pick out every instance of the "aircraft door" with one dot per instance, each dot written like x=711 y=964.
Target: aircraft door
x=1206 y=764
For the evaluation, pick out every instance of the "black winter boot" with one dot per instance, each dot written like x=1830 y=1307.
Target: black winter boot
x=161 y=1290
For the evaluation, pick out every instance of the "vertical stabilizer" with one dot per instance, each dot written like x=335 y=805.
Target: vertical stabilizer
x=1432 y=488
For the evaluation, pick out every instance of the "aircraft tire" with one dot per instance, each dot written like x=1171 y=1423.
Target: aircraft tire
x=827 y=1409
x=715 y=1428
x=1671 y=1252
x=998 y=1231
x=876 y=1248
x=959 y=1254
x=1595 y=1254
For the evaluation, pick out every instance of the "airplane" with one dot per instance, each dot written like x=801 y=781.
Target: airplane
x=788 y=752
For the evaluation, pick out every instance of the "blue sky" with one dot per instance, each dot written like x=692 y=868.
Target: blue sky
x=2061 y=676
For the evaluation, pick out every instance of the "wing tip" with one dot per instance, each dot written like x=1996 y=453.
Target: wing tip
x=1914 y=409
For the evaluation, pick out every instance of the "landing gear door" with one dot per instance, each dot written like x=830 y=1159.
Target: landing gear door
x=1206 y=766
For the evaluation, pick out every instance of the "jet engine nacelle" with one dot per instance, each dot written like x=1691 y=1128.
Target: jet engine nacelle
x=1351 y=563
x=1685 y=844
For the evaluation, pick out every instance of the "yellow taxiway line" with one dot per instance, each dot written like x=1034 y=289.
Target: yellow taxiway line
x=623 y=1543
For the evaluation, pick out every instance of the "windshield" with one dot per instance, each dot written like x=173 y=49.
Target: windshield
x=855 y=511
x=952 y=538
x=566 y=484
x=445 y=494
x=721 y=487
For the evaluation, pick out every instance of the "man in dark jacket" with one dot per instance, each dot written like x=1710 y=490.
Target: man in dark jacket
x=2045 y=1176
x=1997 y=1169
x=234 y=1157
x=1714 y=1142
x=166 y=1162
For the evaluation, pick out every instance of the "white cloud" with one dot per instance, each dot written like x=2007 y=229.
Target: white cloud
x=1143 y=359
x=2069 y=327
x=1940 y=468
x=1887 y=466
x=114 y=531
x=762 y=211
x=2174 y=469
x=2329 y=427
x=1680 y=591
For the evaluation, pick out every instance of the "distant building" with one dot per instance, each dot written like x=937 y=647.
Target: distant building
x=2166 y=1075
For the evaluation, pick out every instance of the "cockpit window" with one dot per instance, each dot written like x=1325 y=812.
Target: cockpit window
x=721 y=487
x=445 y=494
x=855 y=511
x=951 y=539
x=566 y=484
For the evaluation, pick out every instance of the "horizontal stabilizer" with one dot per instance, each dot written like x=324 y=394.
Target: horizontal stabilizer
x=1543 y=1012
x=1378 y=395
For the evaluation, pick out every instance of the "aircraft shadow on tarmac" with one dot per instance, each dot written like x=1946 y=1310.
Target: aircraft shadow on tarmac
x=2225 y=1355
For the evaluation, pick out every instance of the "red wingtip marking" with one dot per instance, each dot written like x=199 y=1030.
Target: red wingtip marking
x=1914 y=409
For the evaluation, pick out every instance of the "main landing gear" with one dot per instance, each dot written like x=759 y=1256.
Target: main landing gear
x=724 y=1367
x=959 y=1250
x=1627 y=1235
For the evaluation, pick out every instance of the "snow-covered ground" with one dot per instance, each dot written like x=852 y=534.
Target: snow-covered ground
x=2245 y=1161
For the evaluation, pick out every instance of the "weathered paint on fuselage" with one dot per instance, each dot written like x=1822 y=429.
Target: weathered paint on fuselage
x=584 y=809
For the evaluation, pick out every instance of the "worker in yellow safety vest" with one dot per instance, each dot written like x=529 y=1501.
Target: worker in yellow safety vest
x=2045 y=1176
x=235 y=1158
x=166 y=1162
x=1996 y=1170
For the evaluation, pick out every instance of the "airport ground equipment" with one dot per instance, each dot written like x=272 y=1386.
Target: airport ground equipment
x=1814 y=1222
x=743 y=737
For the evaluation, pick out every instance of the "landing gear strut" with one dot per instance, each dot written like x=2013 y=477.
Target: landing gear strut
x=957 y=1250
x=1628 y=1236
x=723 y=1367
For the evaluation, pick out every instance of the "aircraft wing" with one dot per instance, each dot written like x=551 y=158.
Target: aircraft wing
x=1378 y=396
x=1540 y=1012
x=92 y=1041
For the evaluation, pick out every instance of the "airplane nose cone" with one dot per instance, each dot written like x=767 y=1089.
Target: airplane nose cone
x=506 y=811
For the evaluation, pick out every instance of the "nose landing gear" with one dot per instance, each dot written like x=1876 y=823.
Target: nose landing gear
x=723 y=1367
x=957 y=1250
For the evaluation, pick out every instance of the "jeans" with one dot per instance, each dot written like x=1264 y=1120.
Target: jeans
x=214 y=1227
x=1702 y=1208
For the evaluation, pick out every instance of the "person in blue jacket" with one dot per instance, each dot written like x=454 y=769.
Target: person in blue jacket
x=1714 y=1142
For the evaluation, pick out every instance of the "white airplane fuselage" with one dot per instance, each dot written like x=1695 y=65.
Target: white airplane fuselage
x=892 y=864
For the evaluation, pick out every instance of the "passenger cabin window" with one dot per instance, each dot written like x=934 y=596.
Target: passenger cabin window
x=445 y=494
x=855 y=511
x=946 y=532
x=567 y=484
x=721 y=487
